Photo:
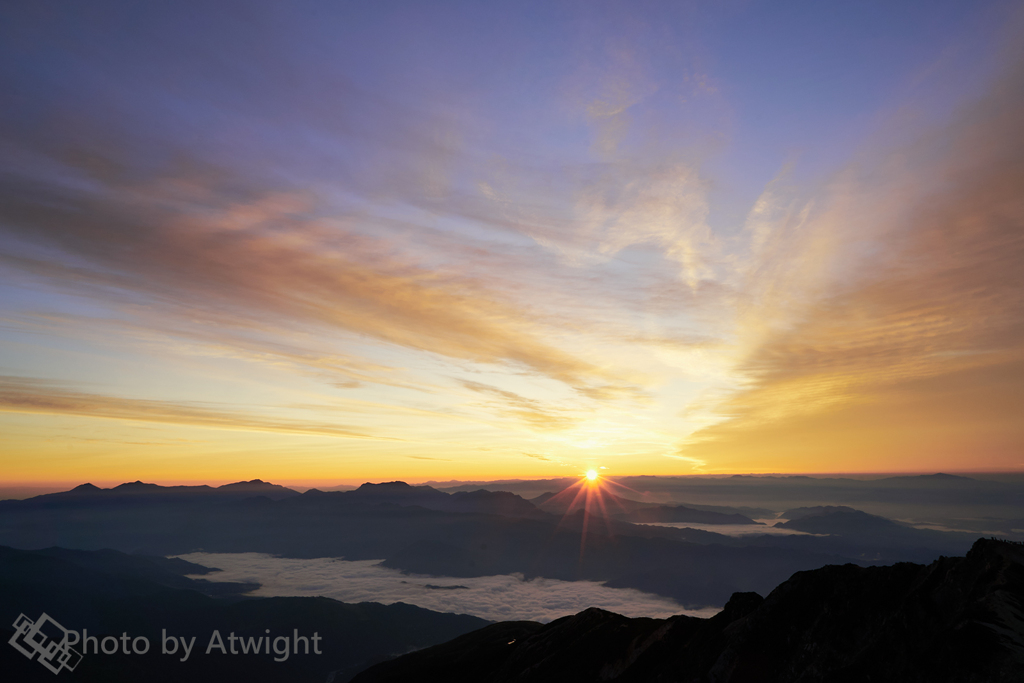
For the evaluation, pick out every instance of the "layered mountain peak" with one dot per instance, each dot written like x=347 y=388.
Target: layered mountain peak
x=258 y=487
x=137 y=485
x=396 y=491
x=388 y=485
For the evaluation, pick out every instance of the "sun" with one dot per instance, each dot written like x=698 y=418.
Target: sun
x=592 y=475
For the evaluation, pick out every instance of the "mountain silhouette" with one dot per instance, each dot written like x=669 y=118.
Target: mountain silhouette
x=109 y=593
x=843 y=521
x=957 y=619
x=138 y=492
x=465 y=534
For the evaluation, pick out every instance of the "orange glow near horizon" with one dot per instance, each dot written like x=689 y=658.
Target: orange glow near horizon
x=64 y=483
x=423 y=287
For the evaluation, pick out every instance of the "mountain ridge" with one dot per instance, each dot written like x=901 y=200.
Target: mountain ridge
x=954 y=619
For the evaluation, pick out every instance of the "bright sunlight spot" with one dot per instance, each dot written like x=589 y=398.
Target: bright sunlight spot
x=591 y=475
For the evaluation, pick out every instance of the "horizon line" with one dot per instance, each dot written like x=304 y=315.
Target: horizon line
x=315 y=483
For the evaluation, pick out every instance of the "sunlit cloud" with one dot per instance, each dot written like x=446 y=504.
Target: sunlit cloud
x=20 y=395
x=242 y=263
x=933 y=302
x=528 y=410
x=596 y=234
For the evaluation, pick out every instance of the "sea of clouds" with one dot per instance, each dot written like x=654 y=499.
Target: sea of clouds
x=506 y=597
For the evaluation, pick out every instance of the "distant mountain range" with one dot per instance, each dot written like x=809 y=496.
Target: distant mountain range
x=957 y=619
x=138 y=489
x=462 y=534
x=573 y=499
x=981 y=505
x=96 y=558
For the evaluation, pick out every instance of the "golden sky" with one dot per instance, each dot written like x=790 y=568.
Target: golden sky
x=492 y=243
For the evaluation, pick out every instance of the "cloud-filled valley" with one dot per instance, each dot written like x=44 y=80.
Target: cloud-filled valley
x=496 y=598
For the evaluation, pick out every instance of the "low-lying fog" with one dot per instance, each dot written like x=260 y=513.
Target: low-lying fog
x=736 y=529
x=498 y=598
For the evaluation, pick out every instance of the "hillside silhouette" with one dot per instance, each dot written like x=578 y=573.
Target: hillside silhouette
x=110 y=593
x=958 y=618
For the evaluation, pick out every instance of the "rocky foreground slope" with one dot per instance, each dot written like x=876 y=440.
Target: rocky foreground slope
x=957 y=619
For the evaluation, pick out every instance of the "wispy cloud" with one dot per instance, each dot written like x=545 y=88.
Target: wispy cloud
x=530 y=411
x=270 y=256
x=537 y=456
x=22 y=395
x=931 y=296
x=544 y=240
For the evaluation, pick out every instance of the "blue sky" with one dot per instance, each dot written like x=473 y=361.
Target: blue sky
x=338 y=241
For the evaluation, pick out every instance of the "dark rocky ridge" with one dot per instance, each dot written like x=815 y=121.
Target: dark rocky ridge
x=957 y=619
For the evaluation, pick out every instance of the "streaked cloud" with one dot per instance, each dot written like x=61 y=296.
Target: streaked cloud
x=529 y=410
x=560 y=236
x=21 y=395
x=924 y=325
x=272 y=257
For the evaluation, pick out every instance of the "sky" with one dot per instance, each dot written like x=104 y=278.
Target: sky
x=349 y=241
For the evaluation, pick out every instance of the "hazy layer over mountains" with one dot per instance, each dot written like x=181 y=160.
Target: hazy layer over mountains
x=460 y=533
x=983 y=505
